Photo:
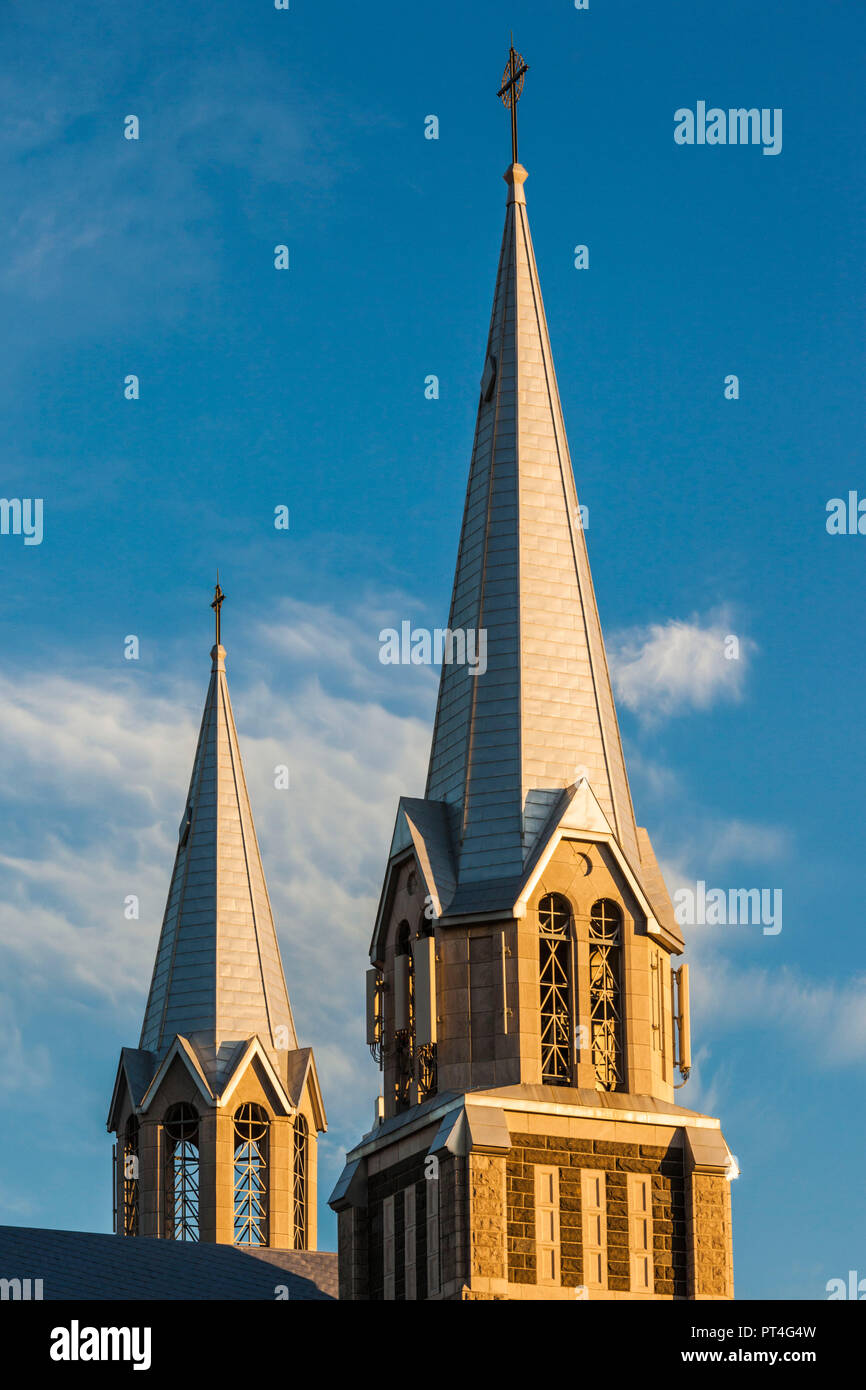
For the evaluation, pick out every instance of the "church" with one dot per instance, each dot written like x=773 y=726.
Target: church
x=524 y=1000
x=522 y=996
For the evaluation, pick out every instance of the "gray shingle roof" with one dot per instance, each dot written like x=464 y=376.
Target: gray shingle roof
x=88 y=1265
x=218 y=978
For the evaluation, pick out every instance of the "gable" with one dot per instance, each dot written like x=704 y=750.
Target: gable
x=179 y=1078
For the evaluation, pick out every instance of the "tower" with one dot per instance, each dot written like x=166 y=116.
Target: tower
x=522 y=996
x=218 y=1109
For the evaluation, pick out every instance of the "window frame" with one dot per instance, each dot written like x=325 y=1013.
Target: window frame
x=300 y=1183
x=130 y=1187
x=606 y=1015
x=251 y=1175
x=556 y=983
x=182 y=1172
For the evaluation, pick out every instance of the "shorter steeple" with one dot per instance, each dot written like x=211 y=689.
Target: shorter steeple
x=218 y=977
x=218 y=1039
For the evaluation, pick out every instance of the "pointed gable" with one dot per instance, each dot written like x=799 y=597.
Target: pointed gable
x=218 y=978
x=506 y=743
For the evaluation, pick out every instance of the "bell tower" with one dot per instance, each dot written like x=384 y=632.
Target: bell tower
x=524 y=999
x=218 y=1109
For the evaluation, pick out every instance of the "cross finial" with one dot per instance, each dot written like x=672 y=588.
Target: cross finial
x=217 y=604
x=509 y=92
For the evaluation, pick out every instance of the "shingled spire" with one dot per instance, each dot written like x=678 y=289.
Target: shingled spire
x=218 y=978
x=507 y=742
x=217 y=1110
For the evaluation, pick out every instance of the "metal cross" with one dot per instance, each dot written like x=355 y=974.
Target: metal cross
x=217 y=604
x=509 y=92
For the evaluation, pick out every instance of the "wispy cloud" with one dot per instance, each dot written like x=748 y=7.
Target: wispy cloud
x=664 y=668
x=24 y=1065
x=698 y=839
x=822 y=1021
x=709 y=843
x=342 y=649
x=87 y=209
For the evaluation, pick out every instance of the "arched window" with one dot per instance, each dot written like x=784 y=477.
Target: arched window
x=180 y=1128
x=251 y=1175
x=404 y=1016
x=605 y=987
x=554 y=962
x=426 y=1053
x=299 y=1186
x=130 y=1177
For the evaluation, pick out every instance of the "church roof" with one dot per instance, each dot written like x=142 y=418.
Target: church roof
x=76 y=1265
x=507 y=742
x=218 y=977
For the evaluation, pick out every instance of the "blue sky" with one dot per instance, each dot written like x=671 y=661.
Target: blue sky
x=306 y=388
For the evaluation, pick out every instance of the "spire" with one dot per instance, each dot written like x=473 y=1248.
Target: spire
x=218 y=978
x=507 y=742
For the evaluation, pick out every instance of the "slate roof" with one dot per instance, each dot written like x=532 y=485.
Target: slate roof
x=139 y=1068
x=88 y=1265
x=218 y=978
x=506 y=743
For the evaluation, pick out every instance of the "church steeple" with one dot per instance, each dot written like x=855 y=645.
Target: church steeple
x=522 y=999
x=507 y=744
x=218 y=1108
x=218 y=976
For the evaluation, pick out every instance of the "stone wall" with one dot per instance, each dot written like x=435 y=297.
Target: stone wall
x=487 y=1206
x=708 y=1211
x=487 y=1237
x=352 y=1259
x=665 y=1166
x=394 y=1181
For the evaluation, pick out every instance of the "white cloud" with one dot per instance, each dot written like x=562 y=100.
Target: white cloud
x=706 y=844
x=665 y=667
x=345 y=647
x=744 y=842
x=823 y=1020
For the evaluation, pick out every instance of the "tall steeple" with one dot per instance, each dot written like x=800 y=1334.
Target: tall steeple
x=218 y=1108
x=506 y=744
x=522 y=999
